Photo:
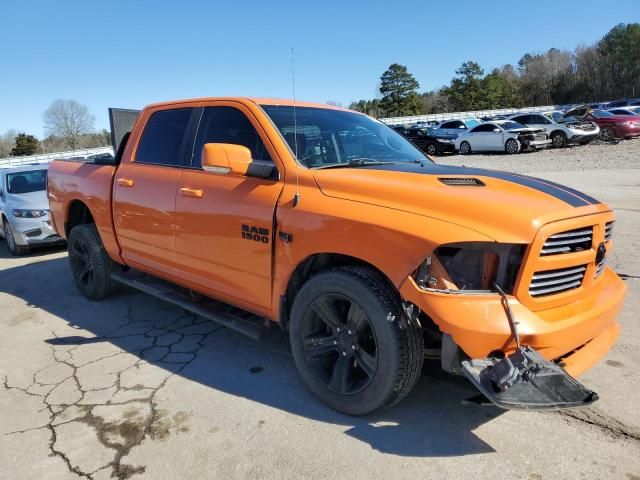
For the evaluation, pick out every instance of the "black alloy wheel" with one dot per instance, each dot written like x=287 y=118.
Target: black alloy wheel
x=81 y=265
x=90 y=264
x=339 y=344
x=432 y=149
x=353 y=344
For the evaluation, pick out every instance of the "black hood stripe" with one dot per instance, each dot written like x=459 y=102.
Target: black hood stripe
x=577 y=193
x=565 y=194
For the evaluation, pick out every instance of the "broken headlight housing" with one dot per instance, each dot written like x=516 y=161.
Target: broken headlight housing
x=471 y=267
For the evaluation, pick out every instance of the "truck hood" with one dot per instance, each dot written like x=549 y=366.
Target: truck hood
x=31 y=200
x=506 y=207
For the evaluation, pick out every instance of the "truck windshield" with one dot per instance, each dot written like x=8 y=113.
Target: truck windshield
x=332 y=137
x=26 y=182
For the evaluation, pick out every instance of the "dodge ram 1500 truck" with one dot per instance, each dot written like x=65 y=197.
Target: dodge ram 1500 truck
x=371 y=255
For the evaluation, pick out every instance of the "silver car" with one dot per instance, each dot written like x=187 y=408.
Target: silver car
x=24 y=208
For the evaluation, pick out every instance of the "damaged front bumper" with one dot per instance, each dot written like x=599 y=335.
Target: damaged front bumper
x=526 y=381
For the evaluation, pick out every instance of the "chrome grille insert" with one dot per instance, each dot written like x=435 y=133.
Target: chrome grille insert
x=556 y=281
x=600 y=267
x=568 y=242
x=608 y=230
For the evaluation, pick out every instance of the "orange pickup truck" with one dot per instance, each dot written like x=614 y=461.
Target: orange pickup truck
x=373 y=257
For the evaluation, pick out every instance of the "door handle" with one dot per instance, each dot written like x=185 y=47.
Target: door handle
x=191 y=192
x=125 y=182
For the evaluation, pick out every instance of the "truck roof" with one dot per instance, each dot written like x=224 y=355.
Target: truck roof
x=256 y=100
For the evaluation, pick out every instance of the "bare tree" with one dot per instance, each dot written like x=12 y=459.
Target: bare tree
x=68 y=119
x=7 y=142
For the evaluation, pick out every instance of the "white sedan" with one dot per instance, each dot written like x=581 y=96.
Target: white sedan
x=501 y=136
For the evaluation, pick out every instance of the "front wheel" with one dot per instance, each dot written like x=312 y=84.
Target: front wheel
x=559 y=140
x=432 y=149
x=9 y=236
x=607 y=134
x=354 y=346
x=465 y=148
x=511 y=146
x=90 y=264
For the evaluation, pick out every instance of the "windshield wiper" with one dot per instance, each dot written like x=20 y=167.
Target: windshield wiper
x=354 y=163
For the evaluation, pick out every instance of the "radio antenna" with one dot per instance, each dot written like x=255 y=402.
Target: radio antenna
x=296 y=197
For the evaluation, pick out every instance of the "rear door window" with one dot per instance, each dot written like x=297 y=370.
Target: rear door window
x=164 y=139
x=483 y=128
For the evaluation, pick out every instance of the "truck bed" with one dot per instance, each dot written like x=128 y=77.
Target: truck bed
x=72 y=183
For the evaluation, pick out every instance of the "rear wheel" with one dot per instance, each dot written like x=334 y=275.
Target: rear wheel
x=352 y=343
x=90 y=264
x=511 y=146
x=465 y=148
x=607 y=134
x=14 y=248
x=558 y=140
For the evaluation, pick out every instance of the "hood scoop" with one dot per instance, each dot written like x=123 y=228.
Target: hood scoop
x=461 y=181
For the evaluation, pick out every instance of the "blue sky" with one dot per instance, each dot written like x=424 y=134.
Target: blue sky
x=131 y=53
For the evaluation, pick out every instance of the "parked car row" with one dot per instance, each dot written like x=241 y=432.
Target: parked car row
x=525 y=131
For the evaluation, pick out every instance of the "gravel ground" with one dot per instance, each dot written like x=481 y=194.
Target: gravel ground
x=596 y=155
x=131 y=387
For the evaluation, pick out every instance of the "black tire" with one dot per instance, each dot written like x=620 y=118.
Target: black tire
x=607 y=134
x=511 y=146
x=558 y=140
x=432 y=149
x=363 y=352
x=465 y=148
x=90 y=264
x=15 y=249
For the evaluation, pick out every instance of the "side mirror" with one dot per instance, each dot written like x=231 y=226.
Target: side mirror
x=226 y=158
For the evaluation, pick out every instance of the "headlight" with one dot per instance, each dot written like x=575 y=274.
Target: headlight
x=22 y=213
x=446 y=140
x=471 y=266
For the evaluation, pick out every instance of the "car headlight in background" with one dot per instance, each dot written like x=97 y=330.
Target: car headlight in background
x=24 y=213
x=471 y=266
x=446 y=140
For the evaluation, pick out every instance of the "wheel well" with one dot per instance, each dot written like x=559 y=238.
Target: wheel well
x=313 y=265
x=557 y=131
x=79 y=214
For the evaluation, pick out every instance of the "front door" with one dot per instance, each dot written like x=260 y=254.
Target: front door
x=145 y=190
x=224 y=223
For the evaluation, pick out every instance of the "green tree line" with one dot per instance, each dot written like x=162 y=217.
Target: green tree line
x=606 y=70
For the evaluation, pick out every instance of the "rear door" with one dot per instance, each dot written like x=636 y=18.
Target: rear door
x=145 y=189
x=225 y=223
x=454 y=127
x=540 y=121
x=482 y=137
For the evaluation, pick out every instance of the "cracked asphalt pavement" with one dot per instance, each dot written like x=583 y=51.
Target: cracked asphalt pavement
x=132 y=387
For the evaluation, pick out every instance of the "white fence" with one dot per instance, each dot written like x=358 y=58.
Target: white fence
x=478 y=114
x=47 y=157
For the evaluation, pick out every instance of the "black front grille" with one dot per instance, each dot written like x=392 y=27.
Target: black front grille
x=608 y=230
x=567 y=242
x=550 y=282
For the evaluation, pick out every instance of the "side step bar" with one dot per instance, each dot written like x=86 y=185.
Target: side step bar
x=209 y=309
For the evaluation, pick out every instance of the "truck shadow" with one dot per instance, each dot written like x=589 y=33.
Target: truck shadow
x=431 y=422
